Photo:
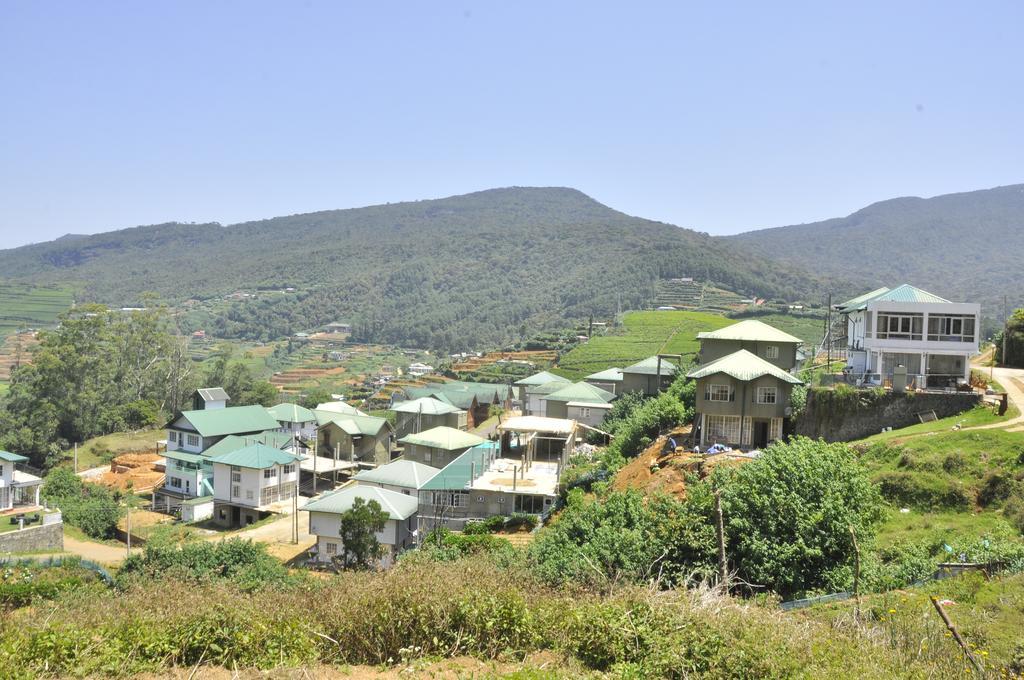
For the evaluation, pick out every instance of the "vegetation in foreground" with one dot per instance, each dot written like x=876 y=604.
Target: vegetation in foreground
x=426 y=610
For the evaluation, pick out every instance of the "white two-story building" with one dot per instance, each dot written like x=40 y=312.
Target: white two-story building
x=18 y=489
x=933 y=338
x=250 y=482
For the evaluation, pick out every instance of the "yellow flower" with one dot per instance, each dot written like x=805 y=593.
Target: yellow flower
x=984 y=653
x=949 y=635
x=892 y=611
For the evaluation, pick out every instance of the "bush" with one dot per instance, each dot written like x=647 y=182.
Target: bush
x=244 y=562
x=643 y=426
x=788 y=515
x=92 y=508
x=923 y=490
x=996 y=488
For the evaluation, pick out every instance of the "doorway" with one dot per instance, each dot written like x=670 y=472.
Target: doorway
x=760 y=434
x=236 y=516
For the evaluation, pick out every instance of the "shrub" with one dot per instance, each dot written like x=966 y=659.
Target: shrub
x=92 y=508
x=924 y=490
x=243 y=561
x=643 y=426
x=996 y=488
x=788 y=515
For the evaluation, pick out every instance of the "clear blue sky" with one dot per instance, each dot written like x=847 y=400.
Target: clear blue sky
x=718 y=116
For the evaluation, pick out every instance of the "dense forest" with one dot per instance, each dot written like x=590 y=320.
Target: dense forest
x=465 y=272
x=964 y=246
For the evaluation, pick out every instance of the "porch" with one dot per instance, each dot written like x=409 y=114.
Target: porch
x=22 y=495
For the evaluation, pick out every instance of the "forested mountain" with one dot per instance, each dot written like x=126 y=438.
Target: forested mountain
x=966 y=246
x=454 y=273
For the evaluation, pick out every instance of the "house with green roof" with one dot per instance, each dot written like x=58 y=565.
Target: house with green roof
x=425 y=413
x=535 y=394
x=535 y=380
x=354 y=437
x=609 y=380
x=928 y=337
x=325 y=521
x=742 y=401
x=196 y=431
x=438 y=446
x=251 y=482
x=403 y=476
x=295 y=420
x=580 y=401
x=19 y=490
x=649 y=376
x=480 y=483
x=771 y=344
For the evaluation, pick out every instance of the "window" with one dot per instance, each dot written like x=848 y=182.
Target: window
x=449 y=499
x=950 y=328
x=771 y=352
x=192 y=440
x=289 y=469
x=900 y=326
x=270 y=473
x=173 y=436
x=724 y=429
x=331 y=547
x=533 y=505
x=248 y=494
x=175 y=482
x=767 y=395
x=584 y=412
x=426 y=456
x=236 y=475
x=236 y=491
x=718 y=393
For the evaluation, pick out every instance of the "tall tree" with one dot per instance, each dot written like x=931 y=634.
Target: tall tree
x=359 y=527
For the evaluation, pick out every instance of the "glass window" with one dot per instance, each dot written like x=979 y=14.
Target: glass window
x=332 y=547
x=771 y=352
x=175 y=482
x=270 y=473
x=950 y=328
x=892 y=326
x=725 y=429
x=192 y=440
x=767 y=395
x=718 y=393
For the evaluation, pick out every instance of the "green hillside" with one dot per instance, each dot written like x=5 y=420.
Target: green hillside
x=465 y=272
x=964 y=246
x=31 y=306
x=641 y=335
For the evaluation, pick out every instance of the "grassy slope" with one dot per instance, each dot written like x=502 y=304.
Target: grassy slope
x=807 y=328
x=31 y=306
x=940 y=457
x=641 y=335
x=100 y=450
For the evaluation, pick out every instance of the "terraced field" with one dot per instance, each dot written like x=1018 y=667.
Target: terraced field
x=695 y=295
x=642 y=334
x=23 y=307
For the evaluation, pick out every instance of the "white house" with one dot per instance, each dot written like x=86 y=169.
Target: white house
x=933 y=338
x=325 y=520
x=252 y=481
x=18 y=489
x=209 y=398
x=294 y=420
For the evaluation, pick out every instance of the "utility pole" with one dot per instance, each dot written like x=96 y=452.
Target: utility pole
x=828 y=334
x=76 y=457
x=723 y=569
x=128 y=533
x=295 y=514
x=1006 y=320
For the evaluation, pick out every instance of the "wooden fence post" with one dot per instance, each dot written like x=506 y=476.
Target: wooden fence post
x=723 y=569
x=956 y=633
x=856 y=574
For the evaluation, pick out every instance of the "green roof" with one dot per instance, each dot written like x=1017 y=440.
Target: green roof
x=233 y=442
x=291 y=413
x=903 y=293
x=459 y=473
x=231 y=420
x=542 y=378
x=187 y=457
x=12 y=457
x=854 y=303
x=255 y=456
x=330 y=410
x=197 y=501
x=425 y=405
x=358 y=424
x=398 y=505
x=744 y=366
x=405 y=473
x=546 y=388
x=750 y=330
x=442 y=437
x=649 y=366
x=607 y=375
x=582 y=392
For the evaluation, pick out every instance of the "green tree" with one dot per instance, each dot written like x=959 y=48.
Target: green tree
x=1013 y=331
x=314 y=397
x=788 y=515
x=359 y=527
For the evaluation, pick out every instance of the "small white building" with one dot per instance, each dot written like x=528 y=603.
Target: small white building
x=252 y=481
x=294 y=420
x=325 y=521
x=933 y=338
x=419 y=369
x=18 y=489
